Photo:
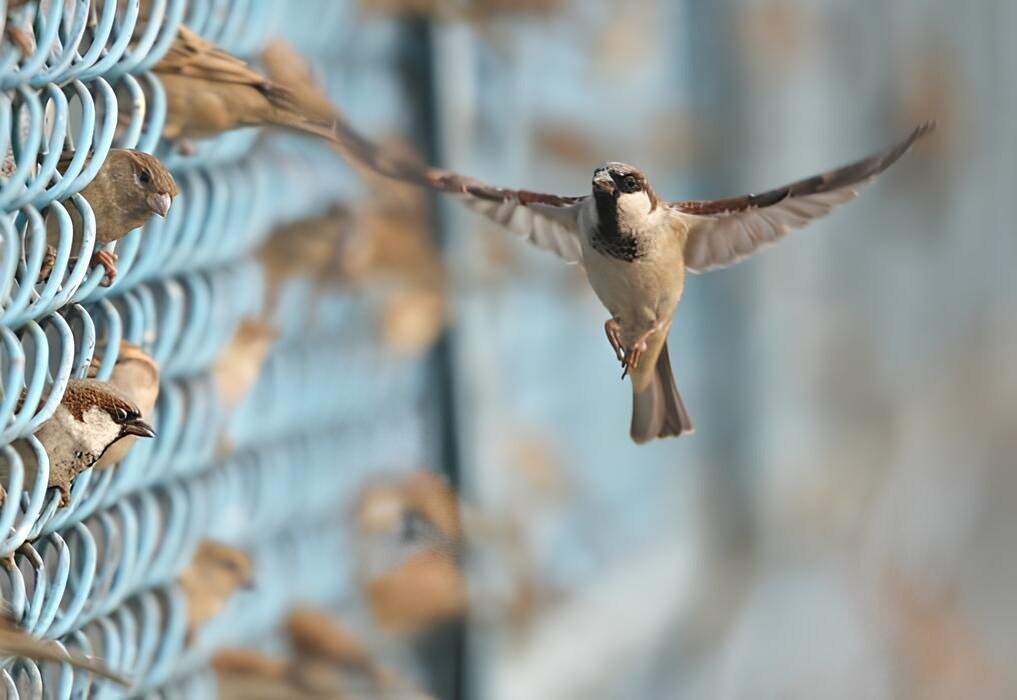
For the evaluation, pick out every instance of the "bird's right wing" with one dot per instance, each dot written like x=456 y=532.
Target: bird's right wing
x=548 y=221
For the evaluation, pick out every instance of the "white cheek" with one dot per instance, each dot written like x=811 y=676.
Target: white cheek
x=634 y=204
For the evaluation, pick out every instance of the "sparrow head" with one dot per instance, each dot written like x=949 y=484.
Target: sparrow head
x=136 y=373
x=143 y=184
x=624 y=185
x=100 y=415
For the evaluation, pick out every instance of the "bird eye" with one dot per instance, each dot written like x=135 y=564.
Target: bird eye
x=144 y=177
x=631 y=184
x=120 y=414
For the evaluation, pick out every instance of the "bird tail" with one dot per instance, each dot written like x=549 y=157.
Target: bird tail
x=657 y=408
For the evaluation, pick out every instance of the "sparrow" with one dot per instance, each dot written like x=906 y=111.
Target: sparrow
x=91 y=416
x=216 y=572
x=136 y=374
x=209 y=91
x=21 y=37
x=128 y=189
x=303 y=249
x=238 y=367
x=16 y=642
x=637 y=247
x=408 y=541
x=328 y=656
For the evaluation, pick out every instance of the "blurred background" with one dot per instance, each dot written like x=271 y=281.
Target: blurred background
x=838 y=526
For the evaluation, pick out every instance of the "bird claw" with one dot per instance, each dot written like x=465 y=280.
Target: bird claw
x=48 y=263
x=632 y=357
x=109 y=262
x=613 y=330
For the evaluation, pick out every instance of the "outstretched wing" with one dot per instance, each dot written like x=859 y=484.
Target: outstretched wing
x=546 y=220
x=724 y=231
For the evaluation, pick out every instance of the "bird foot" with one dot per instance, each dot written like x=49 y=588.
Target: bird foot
x=48 y=263
x=109 y=261
x=613 y=330
x=633 y=354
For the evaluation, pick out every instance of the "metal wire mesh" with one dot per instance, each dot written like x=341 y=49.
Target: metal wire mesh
x=98 y=574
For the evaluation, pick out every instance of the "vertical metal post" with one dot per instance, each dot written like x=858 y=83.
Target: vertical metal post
x=726 y=329
x=444 y=651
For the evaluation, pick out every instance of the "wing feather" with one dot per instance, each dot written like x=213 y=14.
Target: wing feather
x=548 y=221
x=724 y=231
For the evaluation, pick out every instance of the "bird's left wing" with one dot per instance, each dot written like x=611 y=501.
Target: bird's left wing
x=548 y=221
x=723 y=231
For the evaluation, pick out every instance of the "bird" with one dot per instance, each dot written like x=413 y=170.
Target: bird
x=136 y=374
x=210 y=91
x=637 y=247
x=92 y=415
x=216 y=572
x=237 y=369
x=409 y=544
x=128 y=189
x=16 y=642
x=21 y=37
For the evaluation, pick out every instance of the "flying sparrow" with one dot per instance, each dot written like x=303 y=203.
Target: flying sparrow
x=637 y=247
x=129 y=188
x=209 y=91
x=136 y=374
x=16 y=642
x=210 y=580
x=91 y=416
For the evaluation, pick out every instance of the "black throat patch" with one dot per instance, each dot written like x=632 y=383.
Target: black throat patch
x=608 y=239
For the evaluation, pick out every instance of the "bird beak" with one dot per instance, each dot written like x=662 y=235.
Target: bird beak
x=138 y=427
x=602 y=180
x=160 y=203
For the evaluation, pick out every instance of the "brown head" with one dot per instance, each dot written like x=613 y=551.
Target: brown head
x=129 y=188
x=622 y=184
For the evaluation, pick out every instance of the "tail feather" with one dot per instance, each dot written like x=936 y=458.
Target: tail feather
x=657 y=410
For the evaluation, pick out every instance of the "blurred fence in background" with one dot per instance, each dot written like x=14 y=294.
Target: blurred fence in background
x=277 y=476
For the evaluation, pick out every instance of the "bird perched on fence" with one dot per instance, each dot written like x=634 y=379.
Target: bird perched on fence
x=209 y=91
x=636 y=247
x=216 y=572
x=128 y=189
x=136 y=374
x=329 y=657
x=16 y=642
x=408 y=540
x=92 y=415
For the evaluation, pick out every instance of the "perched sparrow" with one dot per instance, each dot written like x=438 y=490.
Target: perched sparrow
x=91 y=416
x=328 y=657
x=408 y=537
x=238 y=367
x=15 y=642
x=136 y=374
x=21 y=37
x=210 y=580
x=210 y=91
x=636 y=247
x=129 y=188
x=303 y=250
